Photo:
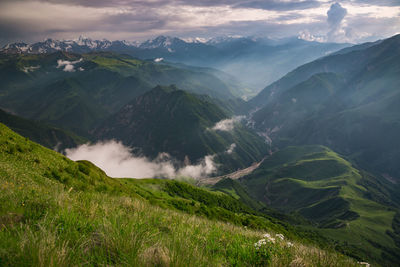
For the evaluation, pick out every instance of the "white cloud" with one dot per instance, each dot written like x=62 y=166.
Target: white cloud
x=231 y=148
x=68 y=65
x=117 y=161
x=306 y=35
x=227 y=124
x=30 y=68
x=203 y=169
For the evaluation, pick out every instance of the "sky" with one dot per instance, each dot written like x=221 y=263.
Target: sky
x=352 y=21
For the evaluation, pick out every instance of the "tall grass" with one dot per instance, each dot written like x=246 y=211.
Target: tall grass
x=80 y=228
x=54 y=212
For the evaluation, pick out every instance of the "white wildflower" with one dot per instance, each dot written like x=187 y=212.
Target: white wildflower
x=280 y=236
x=267 y=235
x=364 y=263
x=289 y=244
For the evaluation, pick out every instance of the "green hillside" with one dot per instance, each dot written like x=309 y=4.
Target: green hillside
x=93 y=87
x=318 y=184
x=347 y=101
x=170 y=120
x=43 y=134
x=56 y=212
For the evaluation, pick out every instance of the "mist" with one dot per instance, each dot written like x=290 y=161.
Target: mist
x=68 y=65
x=117 y=160
x=227 y=125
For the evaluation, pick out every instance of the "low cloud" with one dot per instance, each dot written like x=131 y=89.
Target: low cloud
x=68 y=65
x=227 y=125
x=231 y=148
x=30 y=68
x=117 y=161
x=204 y=168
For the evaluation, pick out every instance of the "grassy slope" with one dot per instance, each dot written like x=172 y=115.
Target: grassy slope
x=56 y=212
x=43 y=134
x=319 y=184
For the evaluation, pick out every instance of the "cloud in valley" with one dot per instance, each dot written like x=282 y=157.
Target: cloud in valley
x=117 y=161
x=227 y=125
x=68 y=65
x=231 y=148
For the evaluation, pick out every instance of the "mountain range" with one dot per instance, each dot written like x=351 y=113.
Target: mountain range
x=184 y=125
x=346 y=101
x=255 y=62
x=321 y=141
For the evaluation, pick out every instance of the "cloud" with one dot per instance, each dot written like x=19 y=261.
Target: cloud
x=231 y=148
x=336 y=14
x=32 y=21
x=68 y=65
x=204 y=168
x=30 y=68
x=227 y=124
x=280 y=5
x=306 y=35
x=117 y=161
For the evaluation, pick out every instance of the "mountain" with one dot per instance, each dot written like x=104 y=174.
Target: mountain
x=48 y=136
x=58 y=212
x=80 y=45
x=346 y=101
x=170 y=120
x=58 y=88
x=253 y=61
x=323 y=187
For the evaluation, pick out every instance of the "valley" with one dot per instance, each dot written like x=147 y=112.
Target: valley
x=312 y=157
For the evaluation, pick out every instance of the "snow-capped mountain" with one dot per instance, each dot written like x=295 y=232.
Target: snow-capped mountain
x=257 y=61
x=84 y=45
x=163 y=42
x=80 y=45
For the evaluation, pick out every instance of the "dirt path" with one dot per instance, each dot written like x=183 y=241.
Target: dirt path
x=234 y=175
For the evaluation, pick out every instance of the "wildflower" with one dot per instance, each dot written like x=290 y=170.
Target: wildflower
x=289 y=244
x=280 y=236
x=364 y=263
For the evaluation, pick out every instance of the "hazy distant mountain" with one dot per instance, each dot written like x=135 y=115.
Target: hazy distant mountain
x=253 y=61
x=347 y=101
x=60 y=87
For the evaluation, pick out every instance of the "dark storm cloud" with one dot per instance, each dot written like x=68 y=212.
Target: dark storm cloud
x=259 y=4
x=336 y=14
x=279 y=5
x=374 y=2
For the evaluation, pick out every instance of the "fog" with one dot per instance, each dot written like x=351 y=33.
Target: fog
x=116 y=160
x=227 y=125
x=68 y=65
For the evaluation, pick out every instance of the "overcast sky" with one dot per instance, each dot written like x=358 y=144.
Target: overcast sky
x=321 y=20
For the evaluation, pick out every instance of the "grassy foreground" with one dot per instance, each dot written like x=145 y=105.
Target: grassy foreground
x=56 y=212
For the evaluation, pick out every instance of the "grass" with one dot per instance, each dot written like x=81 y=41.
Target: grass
x=56 y=212
x=326 y=189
